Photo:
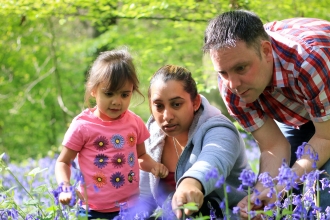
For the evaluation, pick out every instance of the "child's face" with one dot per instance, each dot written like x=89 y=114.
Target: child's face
x=111 y=104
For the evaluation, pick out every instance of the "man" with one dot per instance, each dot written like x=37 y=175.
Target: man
x=274 y=80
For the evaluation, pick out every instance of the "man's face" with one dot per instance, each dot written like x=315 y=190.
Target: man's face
x=243 y=70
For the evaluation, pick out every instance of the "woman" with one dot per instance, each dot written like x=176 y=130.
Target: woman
x=190 y=137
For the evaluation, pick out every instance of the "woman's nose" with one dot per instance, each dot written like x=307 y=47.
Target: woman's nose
x=167 y=115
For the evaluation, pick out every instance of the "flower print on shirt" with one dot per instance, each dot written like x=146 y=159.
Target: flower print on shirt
x=118 y=141
x=101 y=143
x=101 y=160
x=99 y=179
x=118 y=160
x=117 y=179
x=131 y=159
x=131 y=139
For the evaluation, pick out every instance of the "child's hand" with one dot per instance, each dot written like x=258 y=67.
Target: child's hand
x=65 y=198
x=159 y=170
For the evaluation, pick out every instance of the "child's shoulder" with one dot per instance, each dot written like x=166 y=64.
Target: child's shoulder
x=85 y=115
x=130 y=113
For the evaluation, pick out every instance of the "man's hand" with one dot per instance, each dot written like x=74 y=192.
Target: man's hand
x=263 y=200
x=244 y=204
x=189 y=190
x=159 y=170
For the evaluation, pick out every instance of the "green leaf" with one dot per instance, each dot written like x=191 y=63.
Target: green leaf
x=35 y=171
x=40 y=189
x=158 y=213
x=32 y=202
x=286 y=212
x=191 y=206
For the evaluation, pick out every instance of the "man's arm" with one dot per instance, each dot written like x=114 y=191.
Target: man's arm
x=320 y=143
x=274 y=147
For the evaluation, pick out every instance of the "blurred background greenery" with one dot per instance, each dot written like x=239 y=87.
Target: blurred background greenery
x=48 y=46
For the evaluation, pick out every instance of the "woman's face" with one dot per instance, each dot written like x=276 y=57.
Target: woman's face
x=172 y=107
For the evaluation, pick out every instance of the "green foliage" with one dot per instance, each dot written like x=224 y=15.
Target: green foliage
x=48 y=46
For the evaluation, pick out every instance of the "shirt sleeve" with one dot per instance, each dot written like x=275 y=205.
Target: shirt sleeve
x=143 y=133
x=74 y=138
x=314 y=80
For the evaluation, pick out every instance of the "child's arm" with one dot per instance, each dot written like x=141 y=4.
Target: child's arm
x=146 y=163
x=63 y=172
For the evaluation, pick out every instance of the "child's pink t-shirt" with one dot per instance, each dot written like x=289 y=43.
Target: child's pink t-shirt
x=107 y=157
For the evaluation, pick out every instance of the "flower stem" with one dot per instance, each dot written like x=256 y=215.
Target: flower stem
x=249 y=206
x=11 y=173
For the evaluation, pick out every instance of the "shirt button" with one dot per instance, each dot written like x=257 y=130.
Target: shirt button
x=322 y=110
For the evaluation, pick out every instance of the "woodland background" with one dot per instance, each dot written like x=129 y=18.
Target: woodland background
x=47 y=47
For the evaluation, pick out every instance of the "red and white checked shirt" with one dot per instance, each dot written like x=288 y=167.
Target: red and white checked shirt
x=300 y=86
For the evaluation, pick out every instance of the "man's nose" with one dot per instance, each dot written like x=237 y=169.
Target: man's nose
x=233 y=82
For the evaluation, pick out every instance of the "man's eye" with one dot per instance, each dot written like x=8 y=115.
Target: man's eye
x=222 y=75
x=241 y=68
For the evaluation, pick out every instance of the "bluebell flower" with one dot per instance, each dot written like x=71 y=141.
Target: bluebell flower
x=257 y=202
x=247 y=177
x=301 y=150
x=287 y=177
x=236 y=210
x=31 y=217
x=222 y=204
x=327 y=212
x=310 y=152
x=266 y=180
x=212 y=174
x=325 y=183
x=269 y=207
x=220 y=181
x=256 y=192
x=271 y=192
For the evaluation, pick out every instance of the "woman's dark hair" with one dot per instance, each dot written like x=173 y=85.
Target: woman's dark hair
x=177 y=73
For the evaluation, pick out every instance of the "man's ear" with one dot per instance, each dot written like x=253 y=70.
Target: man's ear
x=197 y=102
x=267 y=50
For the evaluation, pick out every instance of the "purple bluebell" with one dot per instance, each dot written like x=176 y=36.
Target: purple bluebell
x=212 y=174
x=310 y=152
x=327 y=212
x=325 y=183
x=287 y=177
x=257 y=202
x=247 y=177
x=236 y=210
x=266 y=180
x=220 y=181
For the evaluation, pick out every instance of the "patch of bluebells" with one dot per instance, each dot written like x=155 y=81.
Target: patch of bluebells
x=13 y=200
x=302 y=206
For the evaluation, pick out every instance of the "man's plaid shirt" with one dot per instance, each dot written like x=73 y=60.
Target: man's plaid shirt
x=300 y=86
